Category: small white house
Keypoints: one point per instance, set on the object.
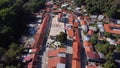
(100, 17)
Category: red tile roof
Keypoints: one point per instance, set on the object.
(34, 59)
(83, 22)
(90, 32)
(88, 49)
(52, 62)
(86, 17)
(109, 26)
(76, 64)
(87, 44)
(77, 37)
(39, 36)
(54, 53)
(92, 55)
(76, 24)
(76, 51)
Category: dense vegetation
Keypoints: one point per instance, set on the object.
(14, 15)
(108, 7)
(62, 37)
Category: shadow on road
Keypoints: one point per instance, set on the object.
(68, 60)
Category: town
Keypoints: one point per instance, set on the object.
(65, 39)
(65, 36)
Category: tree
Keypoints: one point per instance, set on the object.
(106, 34)
(102, 6)
(79, 2)
(12, 54)
(62, 37)
(14, 17)
(94, 39)
(118, 48)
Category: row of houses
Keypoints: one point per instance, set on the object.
(92, 55)
(73, 32)
(112, 28)
(32, 58)
(57, 58)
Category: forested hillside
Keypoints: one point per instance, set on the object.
(108, 7)
(14, 15)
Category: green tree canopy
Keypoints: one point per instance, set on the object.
(62, 37)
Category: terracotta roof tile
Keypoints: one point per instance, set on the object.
(76, 24)
(83, 22)
(90, 32)
(92, 55)
(76, 64)
(76, 54)
(52, 62)
(108, 28)
(54, 53)
(87, 44)
(88, 49)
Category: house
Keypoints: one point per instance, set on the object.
(64, 5)
(57, 58)
(87, 44)
(101, 28)
(76, 23)
(118, 21)
(57, 52)
(86, 38)
(112, 28)
(56, 62)
(112, 42)
(93, 28)
(39, 37)
(100, 17)
(90, 33)
(76, 54)
(76, 58)
(92, 56)
(93, 16)
(76, 64)
(84, 25)
(32, 59)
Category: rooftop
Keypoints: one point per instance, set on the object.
(52, 62)
(112, 28)
(87, 44)
(55, 53)
(76, 64)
